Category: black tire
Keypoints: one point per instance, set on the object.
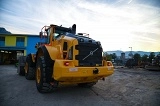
(87, 85)
(29, 68)
(21, 64)
(30, 61)
(21, 70)
(43, 85)
(30, 72)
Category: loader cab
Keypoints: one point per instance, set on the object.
(51, 33)
(44, 36)
(48, 35)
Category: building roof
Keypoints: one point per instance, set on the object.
(4, 31)
(18, 35)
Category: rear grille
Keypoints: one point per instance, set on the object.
(90, 54)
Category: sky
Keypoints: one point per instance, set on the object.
(117, 24)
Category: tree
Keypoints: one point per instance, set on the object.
(151, 56)
(107, 56)
(145, 58)
(137, 58)
(114, 56)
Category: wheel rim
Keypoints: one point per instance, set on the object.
(26, 68)
(38, 75)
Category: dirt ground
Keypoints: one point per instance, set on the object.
(134, 87)
(126, 87)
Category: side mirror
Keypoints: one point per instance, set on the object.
(40, 34)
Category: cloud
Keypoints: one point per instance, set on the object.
(116, 23)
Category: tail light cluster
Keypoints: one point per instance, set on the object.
(109, 63)
(66, 63)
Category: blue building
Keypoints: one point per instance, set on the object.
(14, 45)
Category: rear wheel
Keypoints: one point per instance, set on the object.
(20, 65)
(43, 86)
(29, 72)
(87, 85)
(21, 70)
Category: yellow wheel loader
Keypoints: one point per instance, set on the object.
(66, 58)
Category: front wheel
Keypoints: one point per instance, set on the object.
(43, 86)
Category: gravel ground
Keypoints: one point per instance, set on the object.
(133, 87)
(126, 87)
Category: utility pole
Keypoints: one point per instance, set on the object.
(131, 48)
(131, 52)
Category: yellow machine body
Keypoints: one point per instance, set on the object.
(68, 58)
(73, 73)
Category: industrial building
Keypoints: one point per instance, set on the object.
(14, 45)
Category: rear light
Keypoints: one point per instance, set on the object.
(109, 64)
(66, 63)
